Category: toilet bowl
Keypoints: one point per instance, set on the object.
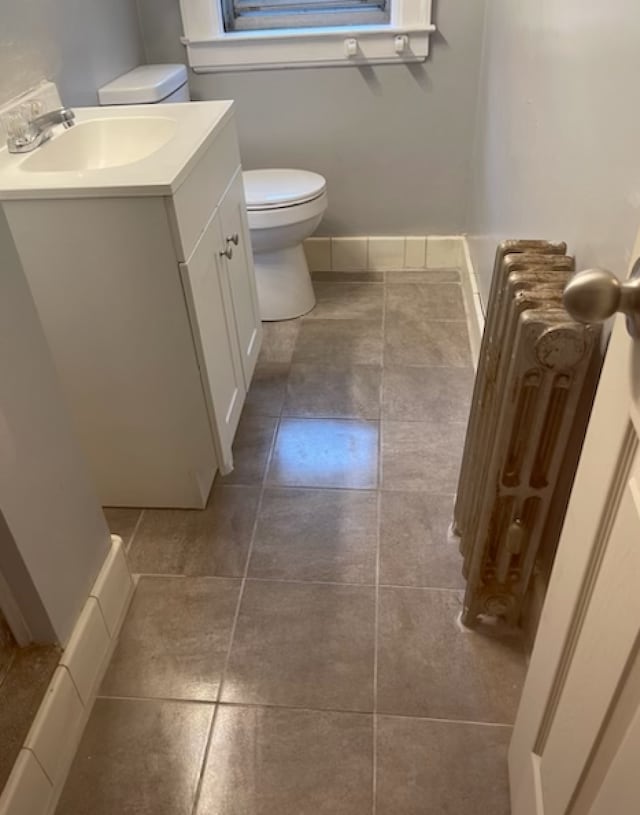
(284, 207)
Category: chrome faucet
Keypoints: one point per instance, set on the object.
(39, 130)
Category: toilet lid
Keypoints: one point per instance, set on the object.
(270, 189)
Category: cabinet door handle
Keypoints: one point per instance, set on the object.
(234, 239)
(228, 252)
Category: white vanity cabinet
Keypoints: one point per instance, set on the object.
(149, 305)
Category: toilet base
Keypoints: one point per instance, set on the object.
(284, 284)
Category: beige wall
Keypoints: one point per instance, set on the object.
(557, 152)
(79, 44)
(394, 142)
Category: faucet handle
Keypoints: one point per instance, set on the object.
(16, 125)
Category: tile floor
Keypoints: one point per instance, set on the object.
(294, 648)
(25, 674)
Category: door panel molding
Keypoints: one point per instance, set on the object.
(620, 714)
(619, 484)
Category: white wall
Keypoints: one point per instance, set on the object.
(394, 142)
(557, 152)
(53, 536)
(79, 44)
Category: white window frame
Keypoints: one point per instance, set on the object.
(210, 48)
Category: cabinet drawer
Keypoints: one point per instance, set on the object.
(191, 207)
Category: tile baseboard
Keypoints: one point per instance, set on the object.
(384, 253)
(472, 302)
(413, 252)
(42, 766)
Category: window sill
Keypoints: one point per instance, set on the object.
(308, 47)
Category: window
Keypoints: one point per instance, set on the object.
(245, 35)
(244, 15)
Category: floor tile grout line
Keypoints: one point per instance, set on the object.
(300, 581)
(275, 486)
(271, 706)
(382, 361)
(422, 588)
(129, 544)
(117, 697)
(376, 624)
(178, 576)
(433, 320)
(374, 774)
(209, 741)
(443, 720)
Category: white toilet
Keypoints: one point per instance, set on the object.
(284, 206)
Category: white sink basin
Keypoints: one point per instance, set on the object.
(115, 151)
(101, 144)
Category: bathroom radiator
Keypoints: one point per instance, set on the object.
(534, 389)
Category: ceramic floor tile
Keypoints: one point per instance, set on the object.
(175, 639)
(414, 547)
(23, 685)
(427, 394)
(422, 456)
(122, 521)
(278, 341)
(333, 391)
(325, 453)
(423, 276)
(251, 449)
(269, 761)
(138, 758)
(425, 301)
(410, 341)
(327, 535)
(429, 666)
(345, 342)
(347, 301)
(294, 730)
(213, 541)
(433, 768)
(268, 389)
(303, 645)
(348, 277)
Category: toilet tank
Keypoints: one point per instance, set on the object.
(147, 85)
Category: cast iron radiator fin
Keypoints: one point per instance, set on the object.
(532, 398)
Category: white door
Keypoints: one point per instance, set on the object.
(208, 294)
(576, 743)
(233, 219)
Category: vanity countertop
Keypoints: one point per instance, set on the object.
(141, 150)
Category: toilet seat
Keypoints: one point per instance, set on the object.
(275, 189)
(287, 215)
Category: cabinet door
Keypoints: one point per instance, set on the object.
(242, 279)
(208, 294)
